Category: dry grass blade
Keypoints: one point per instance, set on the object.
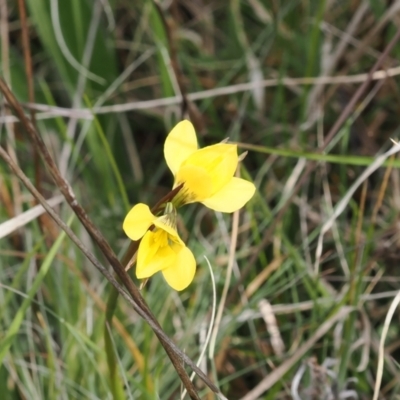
(272, 326)
(221, 306)
(386, 326)
(260, 279)
(21, 220)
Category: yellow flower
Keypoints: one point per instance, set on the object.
(161, 249)
(206, 174)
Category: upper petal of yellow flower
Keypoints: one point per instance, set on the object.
(219, 161)
(138, 221)
(154, 254)
(232, 196)
(181, 272)
(179, 145)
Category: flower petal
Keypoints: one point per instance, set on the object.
(181, 273)
(219, 161)
(154, 254)
(179, 145)
(138, 221)
(197, 183)
(232, 196)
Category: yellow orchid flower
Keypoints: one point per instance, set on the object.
(207, 173)
(206, 176)
(161, 249)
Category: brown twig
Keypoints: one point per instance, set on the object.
(176, 356)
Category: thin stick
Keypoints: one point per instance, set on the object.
(231, 261)
(84, 113)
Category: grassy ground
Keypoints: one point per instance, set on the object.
(314, 271)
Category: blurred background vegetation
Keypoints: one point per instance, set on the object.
(110, 78)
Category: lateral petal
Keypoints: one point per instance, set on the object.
(180, 143)
(232, 196)
(181, 273)
(138, 221)
(219, 161)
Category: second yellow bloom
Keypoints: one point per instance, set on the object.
(161, 249)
